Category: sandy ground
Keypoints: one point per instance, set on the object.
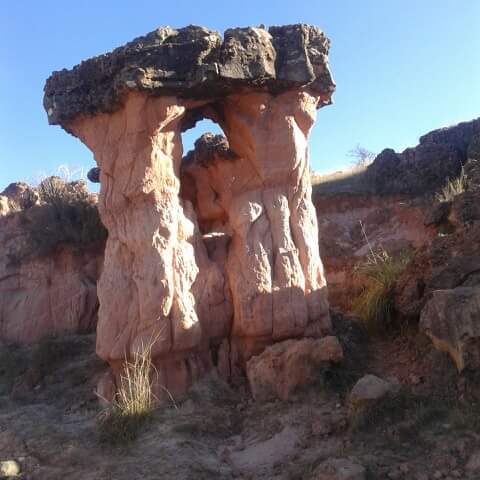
(49, 425)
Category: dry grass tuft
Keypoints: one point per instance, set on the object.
(340, 175)
(134, 402)
(453, 187)
(375, 304)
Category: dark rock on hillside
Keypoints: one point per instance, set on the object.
(424, 169)
(193, 62)
(94, 175)
(207, 148)
(416, 170)
(464, 137)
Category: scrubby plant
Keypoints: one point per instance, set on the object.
(453, 187)
(374, 305)
(134, 402)
(65, 216)
(362, 157)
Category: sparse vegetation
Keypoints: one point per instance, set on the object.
(66, 216)
(453, 187)
(362, 157)
(352, 178)
(374, 305)
(134, 402)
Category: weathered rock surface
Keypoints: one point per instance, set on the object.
(451, 260)
(424, 169)
(451, 318)
(43, 295)
(280, 369)
(19, 196)
(259, 192)
(369, 390)
(415, 170)
(193, 62)
(165, 280)
(394, 223)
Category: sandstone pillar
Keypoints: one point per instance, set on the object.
(146, 289)
(263, 185)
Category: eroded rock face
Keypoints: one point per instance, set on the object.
(205, 295)
(42, 296)
(259, 192)
(451, 320)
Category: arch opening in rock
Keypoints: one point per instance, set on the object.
(163, 278)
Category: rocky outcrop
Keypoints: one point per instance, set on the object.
(394, 199)
(193, 62)
(394, 223)
(200, 294)
(451, 318)
(451, 260)
(42, 296)
(424, 169)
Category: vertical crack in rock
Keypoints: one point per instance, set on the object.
(218, 252)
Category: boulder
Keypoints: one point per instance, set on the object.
(94, 175)
(339, 469)
(160, 283)
(287, 365)
(451, 319)
(368, 391)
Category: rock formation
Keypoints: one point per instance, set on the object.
(451, 319)
(42, 295)
(230, 264)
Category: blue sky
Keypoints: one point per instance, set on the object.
(402, 67)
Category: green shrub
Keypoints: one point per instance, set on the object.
(453, 187)
(374, 305)
(66, 216)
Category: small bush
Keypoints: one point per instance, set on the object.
(362, 157)
(375, 303)
(453, 187)
(66, 216)
(134, 401)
